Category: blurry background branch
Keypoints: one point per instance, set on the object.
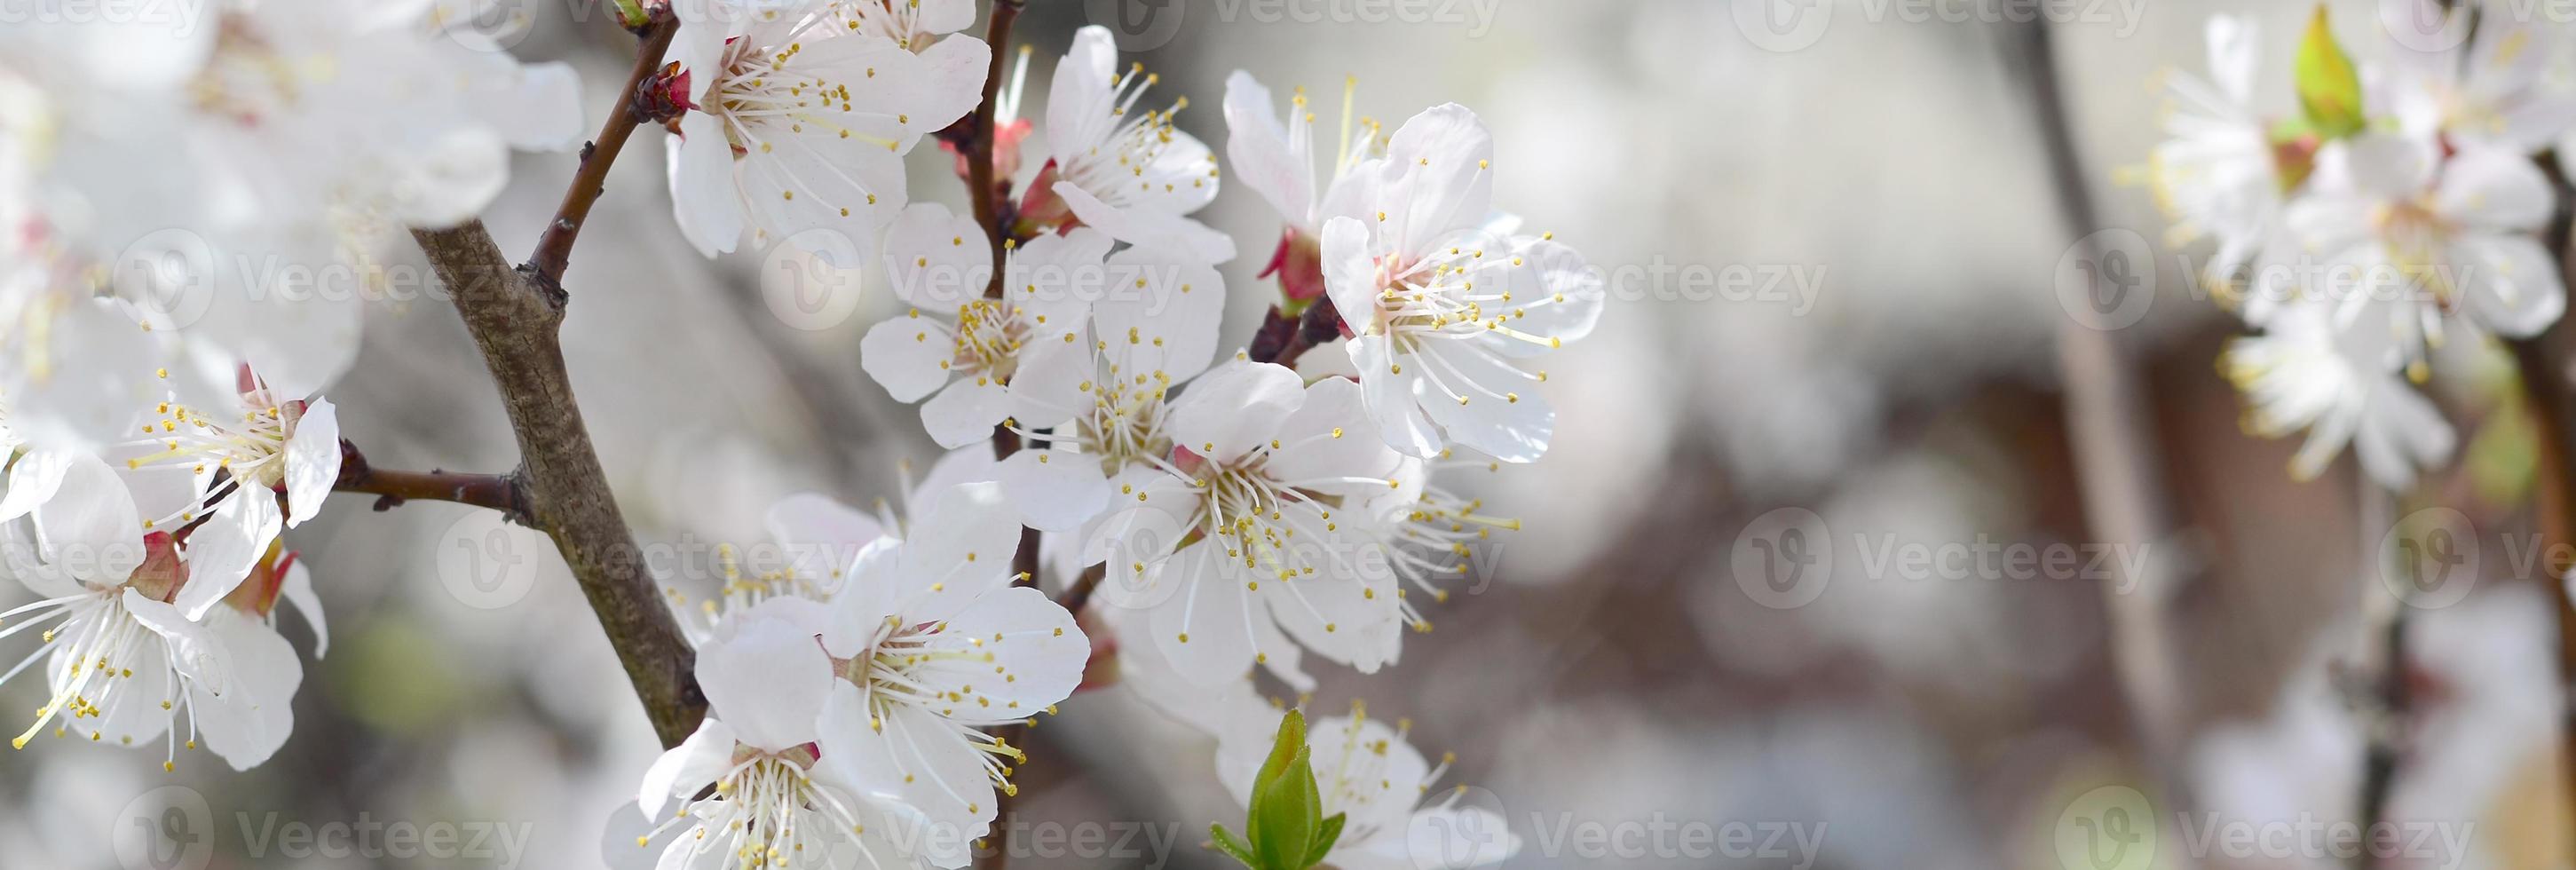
(2109, 422)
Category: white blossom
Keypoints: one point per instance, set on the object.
(1440, 296)
(123, 661)
(1128, 173)
(798, 116)
(1271, 515)
(930, 643)
(2394, 227)
(2217, 174)
(775, 802)
(2305, 373)
(981, 361)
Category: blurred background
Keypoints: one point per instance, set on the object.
(1835, 345)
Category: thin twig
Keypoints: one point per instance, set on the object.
(979, 149)
(2108, 420)
(2378, 660)
(500, 492)
(554, 246)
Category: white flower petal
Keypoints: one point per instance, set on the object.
(686, 769)
(223, 551)
(312, 461)
(965, 411)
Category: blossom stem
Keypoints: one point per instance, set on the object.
(500, 492)
(554, 247)
(979, 164)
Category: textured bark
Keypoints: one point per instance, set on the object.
(514, 316)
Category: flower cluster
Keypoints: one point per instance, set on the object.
(2399, 207)
(1236, 512)
(195, 211)
(180, 196)
(849, 687)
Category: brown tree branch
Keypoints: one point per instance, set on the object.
(514, 316)
(554, 246)
(500, 492)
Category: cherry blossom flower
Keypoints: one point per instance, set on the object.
(205, 167)
(2304, 373)
(236, 465)
(1439, 296)
(1274, 508)
(1278, 160)
(2505, 93)
(1365, 770)
(122, 660)
(1156, 330)
(956, 63)
(2460, 234)
(798, 116)
(990, 359)
(813, 543)
(2218, 174)
(934, 642)
(1132, 175)
(775, 801)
